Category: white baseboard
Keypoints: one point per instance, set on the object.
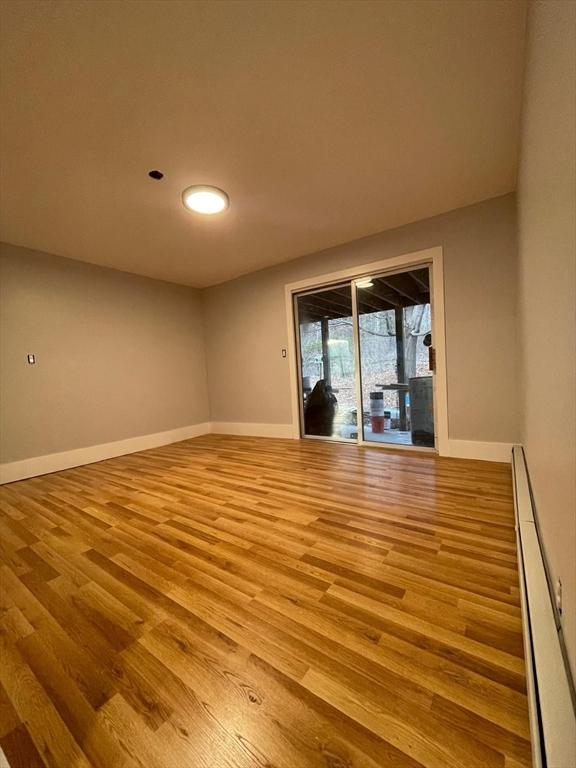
(54, 462)
(552, 718)
(460, 449)
(252, 430)
(472, 449)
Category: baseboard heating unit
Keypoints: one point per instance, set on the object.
(550, 688)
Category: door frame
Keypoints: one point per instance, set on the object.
(430, 256)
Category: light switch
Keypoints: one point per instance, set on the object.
(283, 353)
(31, 359)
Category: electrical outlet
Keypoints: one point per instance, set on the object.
(558, 596)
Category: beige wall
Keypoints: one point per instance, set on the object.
(547, 272)
(245, 322)
(121, 356)
(118, 355)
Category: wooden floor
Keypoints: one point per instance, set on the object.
(248, 602)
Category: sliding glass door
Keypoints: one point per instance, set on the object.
(366, 360)
(395, 353)
(325, 336)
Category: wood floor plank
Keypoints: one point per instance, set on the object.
(54, 742)
(230, 602)
(17, 750)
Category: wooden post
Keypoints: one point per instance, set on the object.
(325, 351)
(400, 366)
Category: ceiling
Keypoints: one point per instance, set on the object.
(324, 122)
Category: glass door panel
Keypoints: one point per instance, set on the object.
(394, 343)
(325, 335)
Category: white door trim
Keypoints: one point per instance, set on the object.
(431, 256)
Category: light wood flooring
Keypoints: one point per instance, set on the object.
(240, 602)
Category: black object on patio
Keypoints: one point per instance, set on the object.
(320, 410)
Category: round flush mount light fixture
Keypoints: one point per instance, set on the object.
(205, 199)
(364, 283)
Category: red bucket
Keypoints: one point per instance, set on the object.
(377, 411)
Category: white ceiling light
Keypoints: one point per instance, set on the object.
(204, 199)
(365, 283)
